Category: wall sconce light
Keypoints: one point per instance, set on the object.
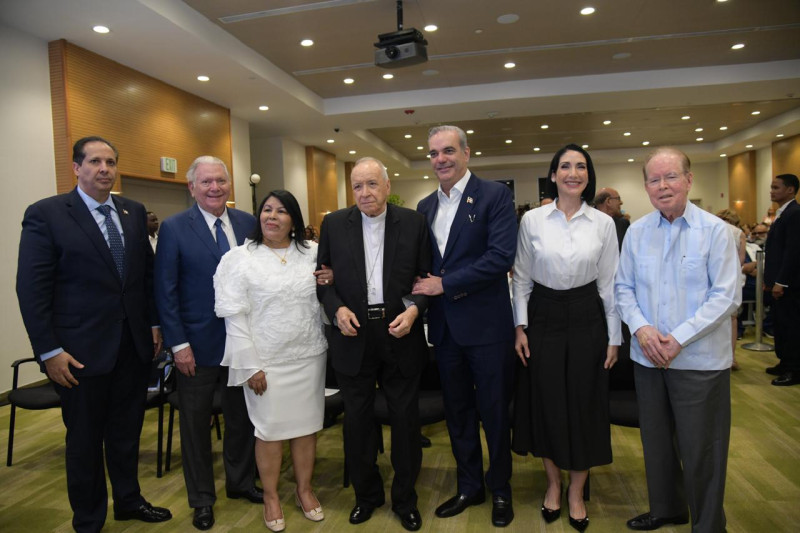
(254, 180)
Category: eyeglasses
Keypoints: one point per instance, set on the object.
(669, 179)
(614, 198)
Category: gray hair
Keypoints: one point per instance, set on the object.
(206, 160)
(384, 173)
(462, 137)
(686, 165)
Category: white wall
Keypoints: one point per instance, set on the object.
(295, 174)
(28, 161)
(240, 148)
(763, 180)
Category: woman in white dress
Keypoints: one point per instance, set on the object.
(275, 346)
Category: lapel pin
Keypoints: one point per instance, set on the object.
(124, 211)
(470, 200)
(471, 218)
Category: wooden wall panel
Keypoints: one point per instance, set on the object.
(348, 187)
(145, 118)
(742, 186)
(786, 156)
(321, 178)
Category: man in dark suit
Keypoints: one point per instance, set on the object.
(84, 283)
(190, 245)
(376, 251)
(474, 239)
(782, 278)
(609, 202)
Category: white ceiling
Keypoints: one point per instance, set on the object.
(567, 76)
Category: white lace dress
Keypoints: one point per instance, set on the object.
(274, 323)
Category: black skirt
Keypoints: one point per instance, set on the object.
(561, 397)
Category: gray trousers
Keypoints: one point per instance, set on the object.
(238, 444)
(685, 419)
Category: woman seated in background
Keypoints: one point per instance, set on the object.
(275, 345)
(568, 333)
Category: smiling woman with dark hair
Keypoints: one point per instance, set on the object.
(275, 346)
(568, 333)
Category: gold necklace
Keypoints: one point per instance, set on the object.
(283, 259)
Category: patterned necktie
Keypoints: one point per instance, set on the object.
(114, 240)
(222, 239)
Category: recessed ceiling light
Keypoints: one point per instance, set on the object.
(606, 122)
(388, 76)
(645, 143)
(306, 42)
(723, 155)
(330, 141)
(630, 160)
(779, 135)
(584, 146)
(748, 145)
(698, 130)
(407, 135)
(621, 55)
(511, 18)
(755, 113)
(396, 174)
(627, 134)
(203, 78)
(587, 11)
(352, 152)
(263, 107)
(699, 139)
(510, 64)
(431, 27)
(348, 81)
(420, 148)
(101, 29)
(536, 148)
(685, 117)
(425, 177)
(509, 141)
(544, 126)
(723, 128)
(470, 132)
(478, 153)
(737, 46)
(721, 1)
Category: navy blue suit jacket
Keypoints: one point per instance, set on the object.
(476, 304)
(70, 294)
(186, 260)
(782, 249)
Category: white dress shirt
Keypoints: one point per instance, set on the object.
(565, 254)
(446, 213)
(374, 229)
(211, 220)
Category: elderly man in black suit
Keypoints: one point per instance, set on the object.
(376, 251)
(84, 284)
(782, 278)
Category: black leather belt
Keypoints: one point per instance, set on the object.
(376, 312)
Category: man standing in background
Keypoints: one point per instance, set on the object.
(152, 229)
(609, 202)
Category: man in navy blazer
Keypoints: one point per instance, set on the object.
(474, 239)
(782, 278)
(90, 317)
(190, 245)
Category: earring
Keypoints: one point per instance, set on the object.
(553, 180)
(292, 234)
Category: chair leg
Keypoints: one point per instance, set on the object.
(216, 425)
(379, 430)
(169, 438)
(586, 490)
(11, 434)
(160, 445)
(345, 477)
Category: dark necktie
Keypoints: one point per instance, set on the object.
(222, 239)
(114, 240)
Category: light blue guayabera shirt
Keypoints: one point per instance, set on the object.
(683, 279)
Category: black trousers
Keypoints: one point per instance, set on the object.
(786, 316)
(238, 444)
(104, 413)
(360, 437)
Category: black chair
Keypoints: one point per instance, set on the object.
(37, 397)
(623, 408)
(173, 400)
(157, 395)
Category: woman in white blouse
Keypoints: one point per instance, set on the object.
(275, 346)
(567, 333)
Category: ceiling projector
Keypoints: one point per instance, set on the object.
(401, 48)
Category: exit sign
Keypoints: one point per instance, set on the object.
(169, 164)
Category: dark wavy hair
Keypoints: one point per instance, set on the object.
(293, 208)
(587, 195)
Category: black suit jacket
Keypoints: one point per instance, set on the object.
(782, 250)
(69, 291)
(406, 255)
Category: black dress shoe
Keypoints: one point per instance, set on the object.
(648, 522)
(424, 441)
(786, 379)
(411, 520)
(203, 517)
(254, 494)
(550, 515)
(458, 503)
(145, 512)
(579, 523)
(502, 511)
(776, 370)
(360, 514)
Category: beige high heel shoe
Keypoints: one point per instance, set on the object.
(279, 524)
(315, 514)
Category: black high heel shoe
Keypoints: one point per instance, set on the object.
(579, 524)
(550, 515)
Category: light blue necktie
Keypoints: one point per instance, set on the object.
(222, 239)
(114, 240)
